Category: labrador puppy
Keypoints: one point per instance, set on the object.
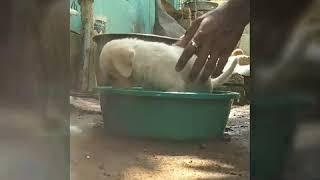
(132, 62)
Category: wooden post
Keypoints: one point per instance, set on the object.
(86, 39)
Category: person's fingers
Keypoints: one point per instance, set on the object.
(199, 62)
(220, 64)
(185, 39)
(199, 38)
(187, 53)
(210, 66)
(181, 42)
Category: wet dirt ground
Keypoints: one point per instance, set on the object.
(96, 155)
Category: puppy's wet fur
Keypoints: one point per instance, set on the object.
(132, 62)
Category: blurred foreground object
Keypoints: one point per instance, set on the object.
(286, 67)
(34, 106)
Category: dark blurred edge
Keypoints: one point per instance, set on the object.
(277, 115)
(34, 99)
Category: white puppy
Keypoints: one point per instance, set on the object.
(132, 62)
(243, 66)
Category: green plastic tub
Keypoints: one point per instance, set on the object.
(165, 115)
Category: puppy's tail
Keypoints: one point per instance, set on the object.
(224, 77)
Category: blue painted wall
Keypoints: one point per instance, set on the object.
(123, 16)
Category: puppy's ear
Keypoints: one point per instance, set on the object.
(123, 63)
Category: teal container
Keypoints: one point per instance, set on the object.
(273, 123)
(165, 115)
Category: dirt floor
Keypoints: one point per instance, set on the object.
(96, 155)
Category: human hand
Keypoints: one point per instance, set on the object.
(212, 37)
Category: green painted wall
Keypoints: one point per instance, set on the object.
(123, 16)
